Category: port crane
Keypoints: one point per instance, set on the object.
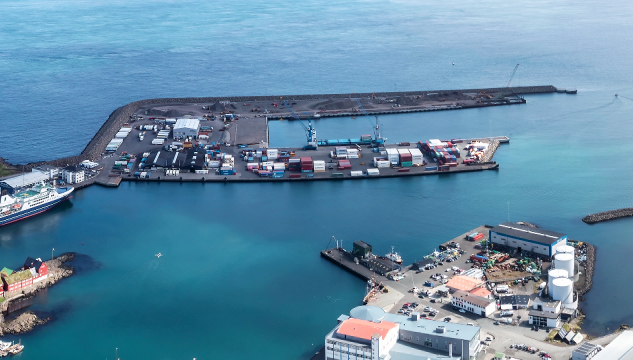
(309, 129)
(378, 140)
(510, 80)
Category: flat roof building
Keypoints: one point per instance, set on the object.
(372, 337)
(621, 348)
(525, 238)
(544, 319)
(22, 181)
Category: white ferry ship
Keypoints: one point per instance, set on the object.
(31, 201)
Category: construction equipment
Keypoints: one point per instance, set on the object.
(510, 81)
(512, 76)
(310, 130)
(377, 140)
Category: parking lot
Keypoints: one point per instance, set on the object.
(503, 337)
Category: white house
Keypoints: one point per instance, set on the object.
(546, 305)
(72, 175)
(51, 171)
(544, 319)
(473, 303)
(186, 127)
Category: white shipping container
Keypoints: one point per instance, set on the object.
(121, 135)
(403, 151)
(316, 163)
(158, 141)
(214, 164)
(202, 171)
(356, 173)
(382, 164)
(279, 166)
(373, 172)
(125, 129)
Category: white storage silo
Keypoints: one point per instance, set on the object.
(555, 274)
(565, 261)
(562, 289)
(565, 249)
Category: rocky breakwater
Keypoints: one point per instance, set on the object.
(25, 322)
(608, 215)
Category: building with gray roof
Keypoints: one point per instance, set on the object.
(417, 339)
(525, 238)
(23, 181)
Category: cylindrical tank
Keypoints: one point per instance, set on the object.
(555, 274)
(565, 249)
(562, 289)
(565, 261)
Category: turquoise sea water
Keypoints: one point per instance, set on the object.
(241, 276)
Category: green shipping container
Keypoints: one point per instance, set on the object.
(406, 163)
(337, 175)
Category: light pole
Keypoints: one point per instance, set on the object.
(116, 354)
(53, 254)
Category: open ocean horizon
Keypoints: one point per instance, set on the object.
(241, 275)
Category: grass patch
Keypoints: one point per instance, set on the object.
(552, 335)
(566, 327)
(5, 171)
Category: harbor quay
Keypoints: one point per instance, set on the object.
(516, 283)
(242, 121)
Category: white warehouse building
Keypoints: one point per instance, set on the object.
(525, 238)
(186, 127)
(72, 175)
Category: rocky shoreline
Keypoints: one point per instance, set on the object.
(57, 270)
(608, 215)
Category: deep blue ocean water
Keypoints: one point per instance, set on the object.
(241, 276)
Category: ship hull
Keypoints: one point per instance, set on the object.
(25, 214)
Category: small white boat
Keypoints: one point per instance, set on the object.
(159, 255)
(4, 345)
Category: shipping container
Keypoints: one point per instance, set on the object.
(373, 172)
(356, 173)
(403, 170)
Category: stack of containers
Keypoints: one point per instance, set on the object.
(225, 170)
(405, 158)
(381, 162)
(114, 145)
(475, 236)
(340, 152)
(213, 164)
(294, 164)
(278, 170)
(267, 166)
(251, 166)
(344, 164)
(163, 134)
(417, 158)
(319, 166)
(393, 156)
(272, 154)
(352, 154)
(306, 164)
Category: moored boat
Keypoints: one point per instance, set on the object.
(19, 204)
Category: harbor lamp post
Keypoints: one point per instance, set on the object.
(53, 254)
(116, 354)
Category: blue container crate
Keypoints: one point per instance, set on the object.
(278, 175)
(431, 168)
(311, 175)
(264, 158)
